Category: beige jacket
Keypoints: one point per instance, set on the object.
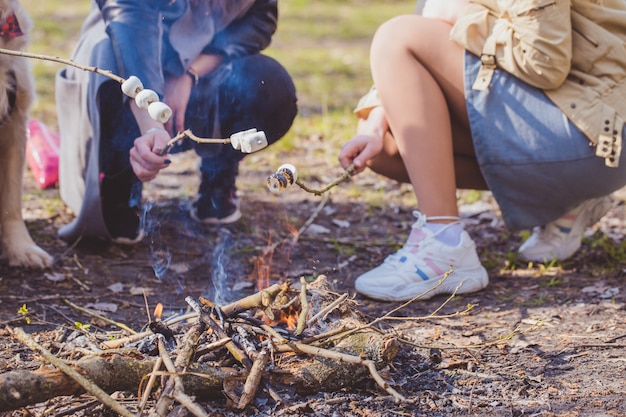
(575, 50)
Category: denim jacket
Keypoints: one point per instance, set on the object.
(151, 38)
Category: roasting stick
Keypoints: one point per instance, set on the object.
(69, 62)
(247, 141)
(287, 175)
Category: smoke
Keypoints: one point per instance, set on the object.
(220, 259)
(160, 256)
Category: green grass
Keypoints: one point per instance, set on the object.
(56, 30)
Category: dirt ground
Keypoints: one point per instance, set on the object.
(541, 340)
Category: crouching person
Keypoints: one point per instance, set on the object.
(203, 59)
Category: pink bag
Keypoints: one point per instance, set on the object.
(42, 153)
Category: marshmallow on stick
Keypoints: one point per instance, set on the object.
(285, 176)
(247, 141)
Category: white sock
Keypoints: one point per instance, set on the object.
(451, 236)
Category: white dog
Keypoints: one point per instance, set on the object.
(16, 96)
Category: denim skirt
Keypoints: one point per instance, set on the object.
(537, 164)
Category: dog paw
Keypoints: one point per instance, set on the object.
(31, 256)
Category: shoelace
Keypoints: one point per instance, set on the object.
(422, 219)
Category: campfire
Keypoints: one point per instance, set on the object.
(275, 343)
(282, 340)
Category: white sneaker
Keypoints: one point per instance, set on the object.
(419, 266)
(553, 242)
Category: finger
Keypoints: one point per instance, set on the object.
(148, 161)
(142, 173)
(180, 121)
(169, 124)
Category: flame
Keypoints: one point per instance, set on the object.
(263, 274)
(286, 317)
(292, 229)
(158, 311)
(263, 267)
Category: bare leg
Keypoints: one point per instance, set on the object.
(468, 174)
(418, 72)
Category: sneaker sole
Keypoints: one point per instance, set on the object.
(128, 241)
(565, 252)
(232, 218)
(458, 282)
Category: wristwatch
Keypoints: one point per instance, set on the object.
(193, 74)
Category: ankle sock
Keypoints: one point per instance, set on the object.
(451, 236)
(566, 221)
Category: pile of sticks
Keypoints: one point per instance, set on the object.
(238, 351)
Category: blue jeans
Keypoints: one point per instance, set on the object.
(254, 91)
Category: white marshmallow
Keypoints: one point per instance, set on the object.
(253, 142)
(132, 86)
(235, 138)
(159, 111)
(146, 97)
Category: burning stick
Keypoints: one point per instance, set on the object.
(247, 141)
(287, 175)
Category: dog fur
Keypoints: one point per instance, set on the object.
(17, 245)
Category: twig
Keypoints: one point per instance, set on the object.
(109, 74)
(174, 387)
(261, 299)
(98, 316)
(310, 220)
(324, 336)
(344, 357)
(212, 346)
(333, 355)
(482, 345)
(304, 308)
(330, 307)
(146, 392)
(600, 345)
(166, 399)
(254, 379)
(237, 353)
(93, 389)
(189, 134)
(69, 62)
(294, 237)
(243, 339)
(347, 173)
(401, 306)
(616, 338)
(114, 344)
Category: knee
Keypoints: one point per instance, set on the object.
(266, 95)
(396, 34)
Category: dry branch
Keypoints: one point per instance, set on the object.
(110, 372)
(316, 360)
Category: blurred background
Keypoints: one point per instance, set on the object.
(324, 44)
